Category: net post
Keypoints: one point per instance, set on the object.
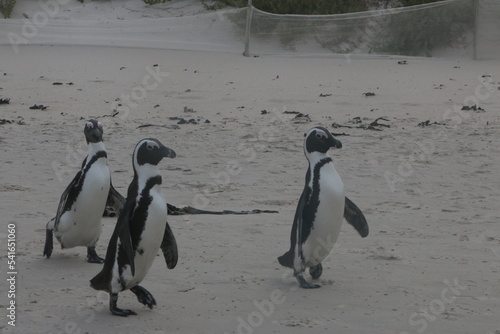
(476, 13)
(246, 53)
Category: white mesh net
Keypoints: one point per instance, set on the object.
(411, 31)
(488, 29)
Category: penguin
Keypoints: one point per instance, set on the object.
(320, 211)
(141, 229)
(81, 206)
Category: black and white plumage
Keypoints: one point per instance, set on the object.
(140, 231)
(320, 211)
(78, 218)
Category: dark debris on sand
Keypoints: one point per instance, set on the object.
(189, 210)
(188, 121)
(428, 123)
(38, 107)
(191, 110)
(375, 125)
(181, 120)
(167, 126)
(301, 118)
(473, 108)
(115, 113)
(8, 121)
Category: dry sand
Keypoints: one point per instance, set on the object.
(436, 219)
(430, 194)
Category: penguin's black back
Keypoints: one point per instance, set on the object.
(286, 259)
(312, 201)
(102, 280)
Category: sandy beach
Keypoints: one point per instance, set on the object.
(427, 183)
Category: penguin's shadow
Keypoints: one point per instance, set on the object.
(71, 262)
(68, 260)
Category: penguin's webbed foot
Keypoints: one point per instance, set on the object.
(92, 256)
(305, 284)
(120, 312)
(316, 271)
(144, 296)
(113, 299)
(47, 250)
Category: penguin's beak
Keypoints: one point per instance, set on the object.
(335, 142)
(167, 152)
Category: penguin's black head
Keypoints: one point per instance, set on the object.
(93, 131)
(319, 139)
(151, 151)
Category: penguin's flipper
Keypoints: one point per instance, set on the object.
(123, 226)
(286, 259)
(47, 250)
(68, 198)
(355, 217)
(114, 203)
(122, 232)
(169, 248)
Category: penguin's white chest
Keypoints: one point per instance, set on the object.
(81, 226)
(329, 216)
(151, 237)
